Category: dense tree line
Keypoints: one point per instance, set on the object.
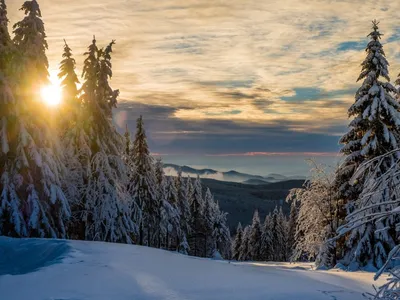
(267, 241)
(77, 177)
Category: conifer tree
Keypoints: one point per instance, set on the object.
(69, 80)
(30, 39)
(278, 235)
(208, 217)
(108, 205)
(221, 233)
(373, 132)
(75, 142)
(5, 39)
(283, 223)
(145, 185)
(184, 213)
(33, 170)
(237, 242)
(255, 238)
(174, 217)
(266, 239)
(164, 214)
(244, 249)
(12, 221)
(196, 210)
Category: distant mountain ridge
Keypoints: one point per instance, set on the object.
(231, 176)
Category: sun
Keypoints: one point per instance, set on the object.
(52, 94)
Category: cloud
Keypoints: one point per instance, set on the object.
(174, 136)
(196, 65)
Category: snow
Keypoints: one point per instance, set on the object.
(38, 269)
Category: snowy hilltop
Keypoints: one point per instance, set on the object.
(59, 269)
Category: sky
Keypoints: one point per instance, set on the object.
(229, 79)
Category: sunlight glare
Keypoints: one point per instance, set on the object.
(52, 93)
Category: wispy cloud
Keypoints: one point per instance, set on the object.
(244, 61)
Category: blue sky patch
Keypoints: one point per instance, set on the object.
(394, 37)
(352, 45)
(310, 94)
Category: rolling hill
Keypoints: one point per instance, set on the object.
(232, 176)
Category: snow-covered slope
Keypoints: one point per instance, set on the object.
(37, 269)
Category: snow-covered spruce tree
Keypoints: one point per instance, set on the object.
(75, 142)
(30, 39)
(237, 242)
(184, 213)
(172, 198)
(209, 215)
(165, 208)
(221, 234)
(69, 80)
(12, 221)
(284, 224)
(244, 248)
(144, 182)
(372, 210)
(278, 241)
(373, 132)
(108, 206)
(255, 238)
(5, 39)
(32, 172)
(196, 236)
(266, 238)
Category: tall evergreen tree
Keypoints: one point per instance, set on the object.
(208, 218)
(282, 221)
(69, 80)
(30, 39)
(278, 235)
(164, 214)
(373, 132)
(145, 185)
(33, 170)
(196, 222)
(11, 216)
(75, 142)
(184, 213)
(221, 233)
(255, 238)
(108, 205)
(237, 242)
(4, 34)
(266, 238)
(244, 249)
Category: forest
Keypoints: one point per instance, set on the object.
(73, 176)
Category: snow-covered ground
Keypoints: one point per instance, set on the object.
(37, 269)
